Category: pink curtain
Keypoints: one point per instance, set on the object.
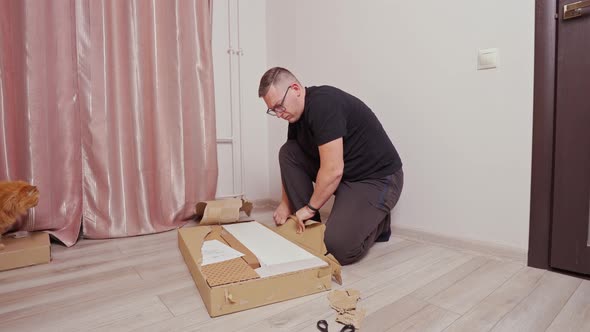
(123, 90)
(39, 111)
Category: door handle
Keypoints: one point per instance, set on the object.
(574, 9)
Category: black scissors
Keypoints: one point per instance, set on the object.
(323, 326)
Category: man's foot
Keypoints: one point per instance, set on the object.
(281, 213)
(384, 236)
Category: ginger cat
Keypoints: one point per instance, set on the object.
(16, 197)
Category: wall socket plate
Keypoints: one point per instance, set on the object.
(487, 58)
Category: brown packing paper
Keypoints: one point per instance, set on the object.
(343, 300)
(222, 211)
(353, 317)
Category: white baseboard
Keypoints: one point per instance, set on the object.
(516, 255)
(264, 203)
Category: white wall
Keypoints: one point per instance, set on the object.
(240, 25)
(464, 135)
(228, 182)
(281, 31)
(252, 26)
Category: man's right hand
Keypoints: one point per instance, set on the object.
(281, 213)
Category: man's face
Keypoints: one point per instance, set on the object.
(283, 103)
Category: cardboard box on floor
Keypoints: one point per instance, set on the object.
(30, 250)
(250, 291)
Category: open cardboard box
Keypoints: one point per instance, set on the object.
(249, 290)
(25, 251)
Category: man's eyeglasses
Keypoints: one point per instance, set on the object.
(278, 109)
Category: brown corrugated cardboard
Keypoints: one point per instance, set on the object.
(31, 250)
(223, 211)
(238, 296)
(228, 272)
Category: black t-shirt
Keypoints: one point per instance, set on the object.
(331, 113)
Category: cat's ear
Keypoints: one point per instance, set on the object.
(28, 198)
(26, 190)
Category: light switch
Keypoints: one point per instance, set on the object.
(487, 58)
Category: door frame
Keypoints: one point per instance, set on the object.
(541, 207)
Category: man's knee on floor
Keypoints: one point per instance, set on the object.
(345, 252)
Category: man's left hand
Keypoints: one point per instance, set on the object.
(303, 214)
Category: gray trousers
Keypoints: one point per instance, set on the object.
(361, 214)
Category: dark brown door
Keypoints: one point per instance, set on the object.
(571, 200)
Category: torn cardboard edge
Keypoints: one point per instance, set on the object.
(238, 296)
(223, 211)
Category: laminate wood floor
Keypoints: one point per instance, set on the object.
(142, 284)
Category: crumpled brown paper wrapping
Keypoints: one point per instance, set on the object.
(344, 302)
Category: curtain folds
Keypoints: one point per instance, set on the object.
(108, 107)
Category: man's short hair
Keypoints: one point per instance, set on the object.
(275, 76)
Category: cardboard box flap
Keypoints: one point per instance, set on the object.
(223, 211)
(312, 240)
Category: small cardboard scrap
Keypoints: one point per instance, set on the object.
(352, 317)
(344, 302)
(223, 211)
